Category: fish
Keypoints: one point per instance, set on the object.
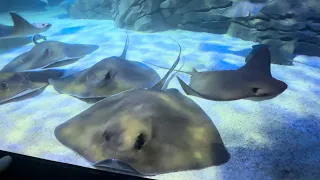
(253, 81)
(14, 85)
(147, 131)
(109, 76)
(22, 28)
(48, 54)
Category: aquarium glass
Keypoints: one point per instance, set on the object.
(165, 89)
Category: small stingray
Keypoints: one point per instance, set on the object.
(147, 131)
(14, 85)
(253, 81)
(47, 54)
(21, 28)
(108, 77)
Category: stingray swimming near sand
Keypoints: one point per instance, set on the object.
(14, 85)
(253, 81)
(21, 28)
(145, 130)
(109, 76)
(47, 54)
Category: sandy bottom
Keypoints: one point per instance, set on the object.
(277, 139)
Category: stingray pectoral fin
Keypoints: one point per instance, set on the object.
(5, 163)
(188, 90)
(116, 164)
(194, 70)
(220, 154)
(38, 85)
(79, 50)
(44, 75)
(19, 23)
(33, 88)
(258, 61)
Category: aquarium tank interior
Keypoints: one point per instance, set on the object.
(164, 89)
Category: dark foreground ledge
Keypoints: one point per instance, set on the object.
(26, 167)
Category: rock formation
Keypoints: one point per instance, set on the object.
(288, 26)
(91, 9)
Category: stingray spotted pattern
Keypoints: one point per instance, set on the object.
(151, 130)
(48, 53)
(109, 76)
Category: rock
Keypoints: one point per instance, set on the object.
(284, 24)
(288, 9)
(93, 9)
(140, 15)
(313, 25)
(54, 2)
(259, 24)
(242, 32)
(308, 49)
(216, 27)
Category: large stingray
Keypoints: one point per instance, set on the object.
(21, 27)
(108, 77)
(47, 54)
(253, 81)
(5, 162)
(147, 130)
(14, 85)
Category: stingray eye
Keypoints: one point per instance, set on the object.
(106, 136)
(4, 85)
(47, 51)
(107, 76)
(140, 141)
(255, 90)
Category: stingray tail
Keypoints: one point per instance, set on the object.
(19, 23)
(44, 75)
(124, 52)
(161, 83)
(188, 90)
(35, 38)
(186, 72)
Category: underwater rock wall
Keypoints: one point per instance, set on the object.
(91, 9)
(290, 26)
(18, 5)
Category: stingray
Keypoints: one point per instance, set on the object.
(5, 162)
(15, 85)
(48, 54)
(107, 77)
(145, 130)
(253, 81)
(21, 28)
